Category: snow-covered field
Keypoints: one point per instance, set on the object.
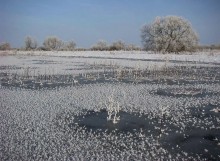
(60, 61)
(54, 106)
(203, 56)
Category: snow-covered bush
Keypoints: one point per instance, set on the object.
(101, 45)
(30, 43)
(5, 46)
(52, 43)
(69, 46)
(113, 109)
(118, 45)
(132, 47)
(169, 34)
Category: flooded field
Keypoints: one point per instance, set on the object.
(111, 107)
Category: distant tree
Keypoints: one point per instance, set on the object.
(118, 45)
(132, 47)
(30, 43)
(81, 49)
(52, 43)
(69, 46)
(169, 34)
(214, 47)
(209, 47)
(101, 45)
(5, 46)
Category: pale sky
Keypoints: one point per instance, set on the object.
(88, 21)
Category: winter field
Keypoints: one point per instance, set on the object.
(102, 105)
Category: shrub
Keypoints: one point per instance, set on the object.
(30, 43)
(5, 46)
(52, 43)
(119, 45)
(69, 46)
(132, 47)
(101, 45)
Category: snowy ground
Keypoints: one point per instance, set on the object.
(168, 103)
(205, 56)
(70, 61)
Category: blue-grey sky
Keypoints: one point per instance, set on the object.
(87, 21)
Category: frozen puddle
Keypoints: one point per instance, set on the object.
(97, 121)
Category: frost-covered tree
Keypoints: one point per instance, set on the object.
(5, 46)
(101, 45)
(30, 43)
(69, 46)
(52, 43)
(118, 45)
(169, 34)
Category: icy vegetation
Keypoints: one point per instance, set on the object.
(108, 110)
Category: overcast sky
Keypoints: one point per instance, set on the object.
(87, 21)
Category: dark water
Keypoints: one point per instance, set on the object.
(128, 122)
(199, 139)
(169, 76)
(194, 141)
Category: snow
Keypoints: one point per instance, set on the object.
(206, 56)
(68, 62)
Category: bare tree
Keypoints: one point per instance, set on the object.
(118, 45)
(169, 34)
(5, 46)
(101, 45)
(30, 43)
(52, 43)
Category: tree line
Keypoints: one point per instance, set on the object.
(164, 34)
(53, 43)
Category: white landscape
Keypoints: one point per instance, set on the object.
(110, 80)
(57, 105)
